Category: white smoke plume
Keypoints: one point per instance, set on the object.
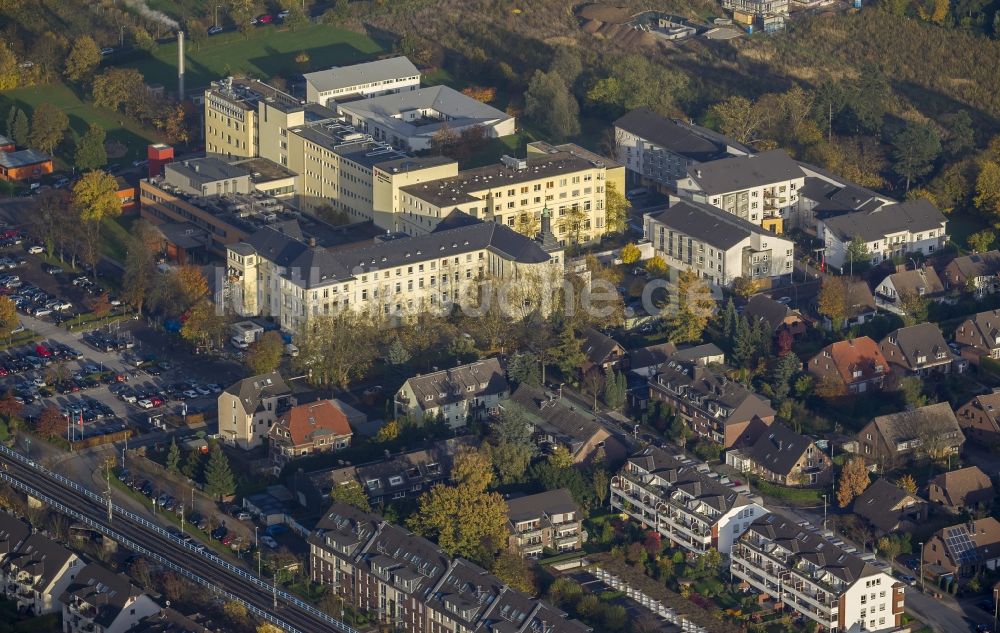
(152, 14)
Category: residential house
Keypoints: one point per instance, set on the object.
(860, 301)
(644, 359)
(13, 532)
(657, 152)
(963, 489)
(716, 407)
(816, 577)
(466, 392)
(890, 509)
(980, 419)
(409, 120)
(757, 8)
(761, 188)
(365, 80)
(37, 573)
(170, 620)
(101, 601)
(778, 316)
(900, 285)
(888, 232)
(547, 520)
(979, 336)
(405, 475)
(719, 246)
(683, 500)
(964, 549)
(978, 272)
(6, 145)
(603, 352)
(560, 423)
(855, 365)
(896, 439)
(782, 456)
(249, 408)
(407, 582)
(826, 194)
(316, 427)
(920, 350)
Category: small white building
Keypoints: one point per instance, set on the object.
(370, 79)
(717, 245)
(890, 231)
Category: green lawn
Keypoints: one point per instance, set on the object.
(268, 51)
(115, 235)
(962, 225)
(81, 114)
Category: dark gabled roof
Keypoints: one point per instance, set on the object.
(778, 449)
(878, 502)
(905, 426)
(13, 531)
(251, 391)
(859, 297)
(923, 282)
(406, 557)
(806, 544)
(40, 556)
(557, 501)
(345, 529)
(977, 264)
(707, 224)
(912, 215)
(598, 346)
(465, 382)
(656, 355)
(701, 386)
(744, 172)
(691, 141)
(554, 416)
(965, 486)
(672, 472)
(109, 593)
(922, 339)
(973, 542)
(169, 620)
(762, 307)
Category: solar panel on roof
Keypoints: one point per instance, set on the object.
(961, 546)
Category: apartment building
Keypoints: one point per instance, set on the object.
(101, 601)
(248, 408)
(888, 232)
(37, 572)
(369, 79)
(457, 395)
(390, 176)
(757, 8)
(407, 582)
(657, 151)
(683, 500)
(826, 194)
(288, 278)
(719, 246)
(762, 189)
(547, 520)
(315, 427)
(816, 577)
(716, 407)
(568, 181)
(409, 120)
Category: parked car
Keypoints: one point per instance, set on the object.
(270, 542)
(107, 50)
(215, 30)
(145, 403)
(36, 250)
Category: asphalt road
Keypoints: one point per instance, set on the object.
(205, 568)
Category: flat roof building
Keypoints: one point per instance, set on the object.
(368, 79)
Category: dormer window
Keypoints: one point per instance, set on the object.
(395, 480)
(373, 484)
(921, 359)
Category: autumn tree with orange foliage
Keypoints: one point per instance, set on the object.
(483, 94)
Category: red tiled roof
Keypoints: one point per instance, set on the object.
(856, 354)
(304, 420)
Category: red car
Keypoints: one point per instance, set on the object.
(265, 19)
(228, 538)
(43, 351)
(157, 401)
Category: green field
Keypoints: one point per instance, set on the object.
(268, 51)
(81, 114)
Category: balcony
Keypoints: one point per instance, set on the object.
(568, 539)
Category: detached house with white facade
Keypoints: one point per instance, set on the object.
(456, 394)
(683, 500)
(762, 189)
(914, 226)
(718, 246)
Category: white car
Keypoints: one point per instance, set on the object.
(203, 390)
(784, 300)
(36, 250)
(129, 398)
(239, 343)
(107, 51)
(270, 542)
(191, 394)
(145, 404)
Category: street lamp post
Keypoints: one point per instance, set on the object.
(824, 513)
(255, 546)
(920, 547)
(217, 7)
(996, 598)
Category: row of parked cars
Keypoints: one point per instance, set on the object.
(150, 396)
(109, 341)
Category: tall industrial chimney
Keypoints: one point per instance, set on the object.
(180, 65)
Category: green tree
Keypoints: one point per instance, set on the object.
(981, 241)
(8, 317)
(914, 150)
(857, 250)
(83, 59)
(616, 210)
(90, 152)
(48, 126)
(560, 457)
(219, 479)
(143, 40)
(686, 320)
(515, 572)
(783, 373)
(729, 316)
(95, 195)
(601, 486)
(525, 369)
(911, 388)
(119, 89)
(987, 197)
(511, 461)
(630, 253)
(264, 354)
(569, 356)
(960, 136)
(9, 75)
(511, 426)
(397, 354)
(193, 463)
(204, 326)
(914, 307)
(297, 17)
(740, 118)
(174, 457)
(635, 81)
(551, 106)
(352, 494)
(615, 388)
(20, 131)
